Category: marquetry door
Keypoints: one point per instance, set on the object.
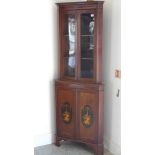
(66, 112)
(88, 115)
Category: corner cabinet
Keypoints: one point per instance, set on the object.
(79, 90)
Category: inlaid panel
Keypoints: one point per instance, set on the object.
(66, 112)
(88, 115)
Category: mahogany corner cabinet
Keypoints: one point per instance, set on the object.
(79, 89)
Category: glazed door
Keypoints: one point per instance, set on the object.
(68, 44)
(66, 112)
(88, 115)
(87, 49)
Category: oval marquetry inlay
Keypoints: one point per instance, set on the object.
(87, 117)
(66, 112)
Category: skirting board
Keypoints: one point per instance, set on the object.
(43, 139)
(112, 147)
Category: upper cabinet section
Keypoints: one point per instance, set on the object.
(80, 41)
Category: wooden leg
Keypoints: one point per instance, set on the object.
(57, 143)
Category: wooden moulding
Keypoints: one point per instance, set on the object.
(80, 85)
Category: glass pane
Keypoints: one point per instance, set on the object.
(86, 68)
(87, 24)
(87, 45)
(69, 44)
(69, 66)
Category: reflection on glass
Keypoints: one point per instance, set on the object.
(87, 24)
(91, 43)
(71, 30)
(69, 69)
(69, 46)
(87, 45)
(91, 27)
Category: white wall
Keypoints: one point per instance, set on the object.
(47, 67)
(111, 61)
(28, 67)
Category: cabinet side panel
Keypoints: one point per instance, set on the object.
(100, 119)
(99, 42)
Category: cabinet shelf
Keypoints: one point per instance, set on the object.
(87, 58)
(82, 35)
(87, 35)
(81, 58)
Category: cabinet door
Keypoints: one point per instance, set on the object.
(68, 47)
(88, 115)
(87, 45)
(66, 112)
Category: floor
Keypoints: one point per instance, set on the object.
(66, 148)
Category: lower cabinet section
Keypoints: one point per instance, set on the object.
(79, 114)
